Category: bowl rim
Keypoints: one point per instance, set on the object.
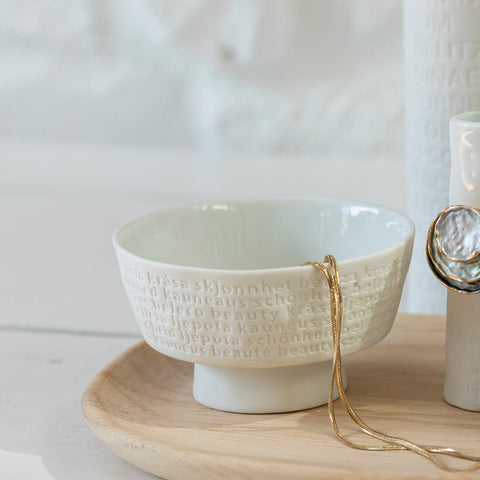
(261, 271)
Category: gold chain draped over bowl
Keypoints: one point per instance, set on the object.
(331, 273)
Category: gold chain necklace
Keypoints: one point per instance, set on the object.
(392, 443)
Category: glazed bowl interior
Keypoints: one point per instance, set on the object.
(248, 235)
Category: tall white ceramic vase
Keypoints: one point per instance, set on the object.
(462, 379)
(442, 79)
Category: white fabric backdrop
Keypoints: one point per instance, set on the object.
(297, 76)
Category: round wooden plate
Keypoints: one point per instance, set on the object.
(142, 408)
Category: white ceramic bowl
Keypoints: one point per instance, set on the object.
(220, 285)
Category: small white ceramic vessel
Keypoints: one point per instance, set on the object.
(220, 285)
(462, 378)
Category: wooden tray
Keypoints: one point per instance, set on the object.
(141, 407)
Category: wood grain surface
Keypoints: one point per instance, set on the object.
(142, 408)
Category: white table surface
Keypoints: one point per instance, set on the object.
(43, 434)
(63, 312)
